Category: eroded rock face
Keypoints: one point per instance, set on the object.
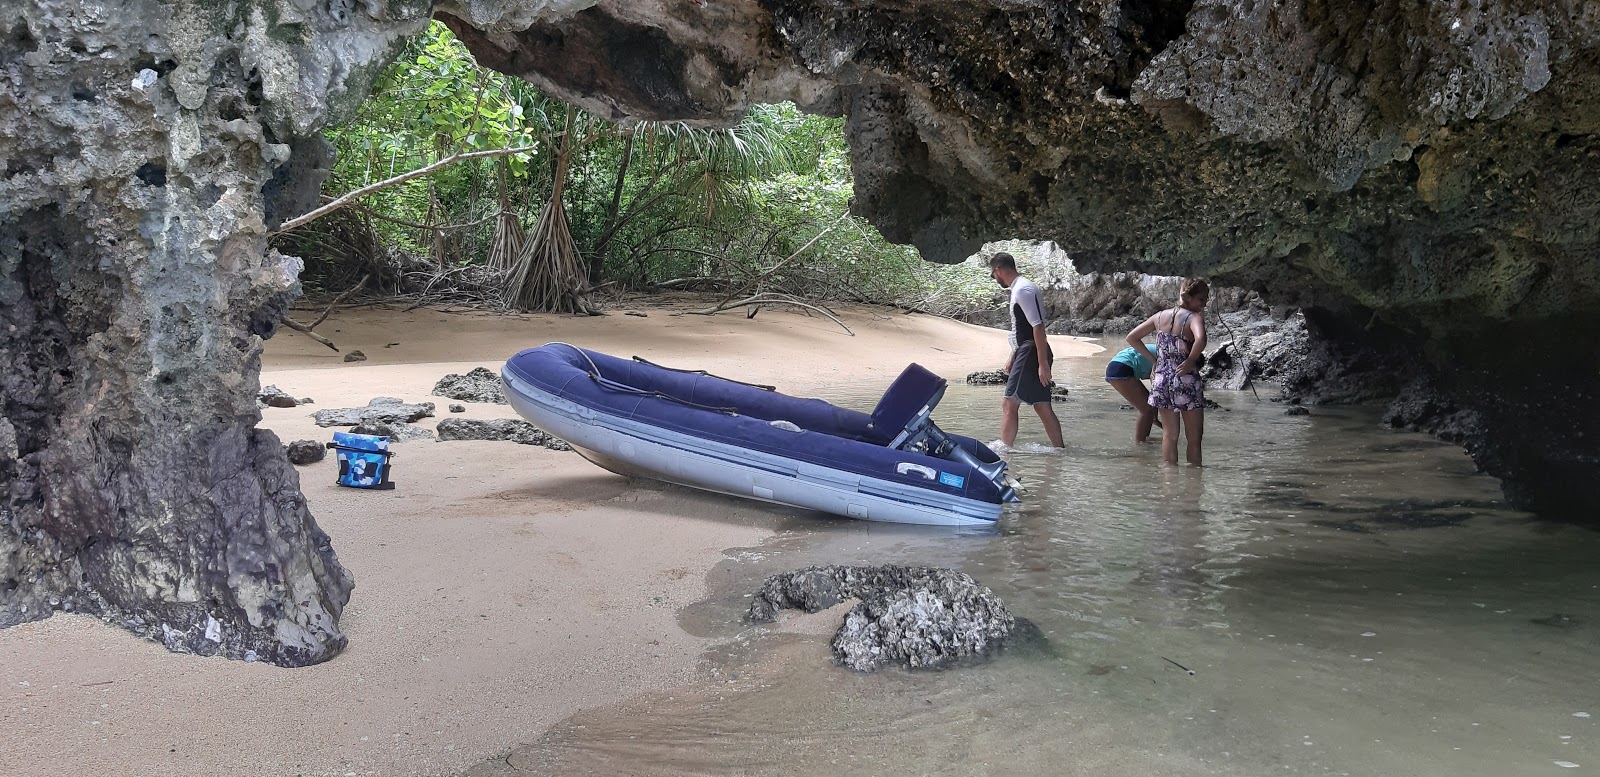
(144, 145)
(1420, 174)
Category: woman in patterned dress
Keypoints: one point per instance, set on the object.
(1176, 388)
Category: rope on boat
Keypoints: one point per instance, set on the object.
(623, 388)
(762, 386)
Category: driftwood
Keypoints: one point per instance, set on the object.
(305, 329)
(755, 303)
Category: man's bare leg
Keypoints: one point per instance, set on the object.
(1052, 425)
(1008, 420)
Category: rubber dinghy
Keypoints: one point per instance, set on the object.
(695, 429)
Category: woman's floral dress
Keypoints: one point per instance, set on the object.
(1168, 389)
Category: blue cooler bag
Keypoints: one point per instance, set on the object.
(363, 460)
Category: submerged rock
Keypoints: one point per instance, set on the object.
(508, 429)
(919, 617)
(303, 452)
(379, 410)
(478, 385)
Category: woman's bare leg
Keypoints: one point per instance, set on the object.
(1194, 428)
(1139, 397)
(1169, 436)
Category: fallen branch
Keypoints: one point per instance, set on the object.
(306, 330)
(396, 180)
(336, 301)
(771, 299)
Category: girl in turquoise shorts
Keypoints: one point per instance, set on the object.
(1126, 372)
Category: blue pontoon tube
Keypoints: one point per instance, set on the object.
(688, 427)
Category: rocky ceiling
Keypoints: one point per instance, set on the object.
(1422, 173)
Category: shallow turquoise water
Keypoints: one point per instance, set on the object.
(1350, 600)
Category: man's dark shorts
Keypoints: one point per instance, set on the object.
(1023, 383)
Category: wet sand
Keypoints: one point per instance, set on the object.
(499, 589)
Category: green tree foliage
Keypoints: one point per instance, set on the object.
(760, 207)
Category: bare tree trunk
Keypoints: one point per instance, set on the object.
(597, 259)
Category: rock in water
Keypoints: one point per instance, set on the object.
(355, 356)
(381, 410)
(920, 617)
(304, 452)
(1296, 410)
(478, 385)
(989, 378)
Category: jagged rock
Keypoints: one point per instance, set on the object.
(302, 452)
(386, 410)
(396, 431)
(508, 429)
(1058, 392)
(479, 385)
(454, 408)
(1421, 407)
(988, 378)
(272, 396)
(921, 617)
(355, 356)
(149, 149)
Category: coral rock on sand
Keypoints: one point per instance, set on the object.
(498, 429)
(272, 396)
(479, 385)
(304, 452)
(379, 410)
(921, 617)
(396, 431)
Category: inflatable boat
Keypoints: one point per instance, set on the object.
(689, 427)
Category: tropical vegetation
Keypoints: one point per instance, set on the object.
(457, 184)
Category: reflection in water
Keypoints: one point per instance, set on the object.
(1350, 600)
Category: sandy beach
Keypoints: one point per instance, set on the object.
(499, 589)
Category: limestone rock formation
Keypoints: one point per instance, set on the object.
(919, 617)
(143, 151)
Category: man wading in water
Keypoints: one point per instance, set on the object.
(1028, 369)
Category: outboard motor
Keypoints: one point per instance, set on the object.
(905, 414)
